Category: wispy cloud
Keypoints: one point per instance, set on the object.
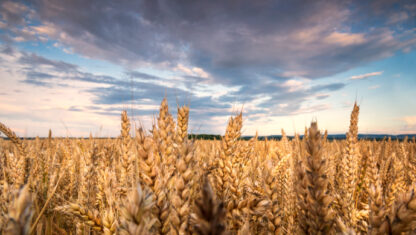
(410, 120)
(366, 75)
(374, 87)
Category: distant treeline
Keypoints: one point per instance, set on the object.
(330, 137)
(204, 137)
(271, 137)
(343, 137)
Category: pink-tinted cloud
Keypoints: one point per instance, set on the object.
(366, 75)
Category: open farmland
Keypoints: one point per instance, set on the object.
(161, 182)
(207, 117)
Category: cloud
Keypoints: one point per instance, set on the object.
(294, 94)
(366, 75)
(218, 54)
(12, 12)
(328, 87)
(108, 94)
(104, 90)
(374, 87)
(410, 120)
(345, 39)
(33, 59)
(219, 40)
(322, 96)
(136, 74)
(194, 71)
(398, 17)
(293, 85)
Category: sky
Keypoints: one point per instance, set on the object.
(73, 66)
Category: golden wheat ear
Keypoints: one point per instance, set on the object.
(317, 216)
(12, 136)
(182, 124)
(378, 223)
(245, 230)
(23, 167)
(136, 215)
(86, 216)
(18, 220)
(403, 213)
(126, 158)
(209, 215)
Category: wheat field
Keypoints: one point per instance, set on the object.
(162, 182)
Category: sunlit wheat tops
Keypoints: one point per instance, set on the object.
(159, 181)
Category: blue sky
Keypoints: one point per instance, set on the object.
(72, 66)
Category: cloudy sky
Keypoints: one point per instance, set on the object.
(72, 66)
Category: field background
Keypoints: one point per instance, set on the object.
(162, 182)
